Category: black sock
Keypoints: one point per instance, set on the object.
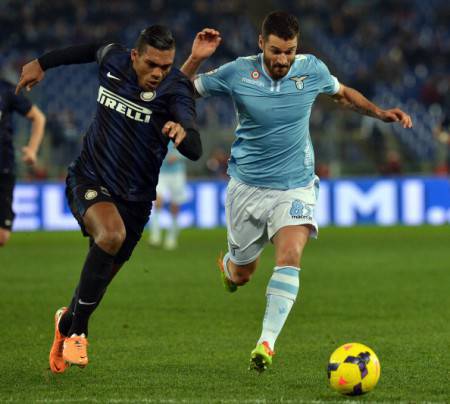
(66, 319)
(95, 276)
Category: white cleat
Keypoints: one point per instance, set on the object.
(170, 244)
(155, 240)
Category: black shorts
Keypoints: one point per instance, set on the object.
(7, 182)
(82, 193)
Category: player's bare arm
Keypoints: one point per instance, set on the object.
(37, 118)
(205, 44)
(187, 141)
(352, 99)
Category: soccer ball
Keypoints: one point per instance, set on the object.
(353, 369)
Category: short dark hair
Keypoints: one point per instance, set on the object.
(157, 36)
(281, 24)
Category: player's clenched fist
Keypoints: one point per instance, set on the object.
(175, 132)
(32, 74)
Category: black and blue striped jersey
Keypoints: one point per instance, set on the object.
(124, 147)
(9, 103)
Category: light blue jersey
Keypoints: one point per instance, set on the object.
(169, 166)
(273, 147)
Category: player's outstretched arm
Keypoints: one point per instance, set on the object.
(352, 99)
(33, 72)
(204, 45)
(37, 118)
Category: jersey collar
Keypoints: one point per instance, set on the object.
(263, 68)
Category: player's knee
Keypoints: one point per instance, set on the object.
(111, 240)
(4, 237)
(289, 256)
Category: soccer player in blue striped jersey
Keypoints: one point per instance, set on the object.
(143, 103)
(10, 103)
(273, 188)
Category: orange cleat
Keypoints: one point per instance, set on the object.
(75, 350)
(57, 364)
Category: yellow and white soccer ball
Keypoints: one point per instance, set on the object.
(353, 369)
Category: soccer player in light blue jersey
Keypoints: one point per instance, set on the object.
(273, 189)
(172, 187)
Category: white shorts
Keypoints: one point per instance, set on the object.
(172, 187)
(255, 214)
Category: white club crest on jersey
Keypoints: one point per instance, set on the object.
(123, 106)
(90, 194)
(299, 81)
(148, 95)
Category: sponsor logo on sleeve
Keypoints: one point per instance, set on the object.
(255, 75)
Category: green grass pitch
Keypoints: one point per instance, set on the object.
(168, 332)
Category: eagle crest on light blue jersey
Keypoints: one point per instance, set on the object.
(299, 81)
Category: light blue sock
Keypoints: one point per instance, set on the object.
(155, 230)
(172, 232)
(281, 294)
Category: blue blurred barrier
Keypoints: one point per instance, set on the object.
(343, 202)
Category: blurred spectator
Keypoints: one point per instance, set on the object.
(392, 164)
(217, 163)
(394, 51)
(65, 140)
(442, 136)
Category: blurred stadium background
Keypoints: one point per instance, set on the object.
(396, 52)
(166, 333)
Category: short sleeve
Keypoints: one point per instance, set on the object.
(217, 81)
(19, 103)
(182, 105)
(329, 84)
